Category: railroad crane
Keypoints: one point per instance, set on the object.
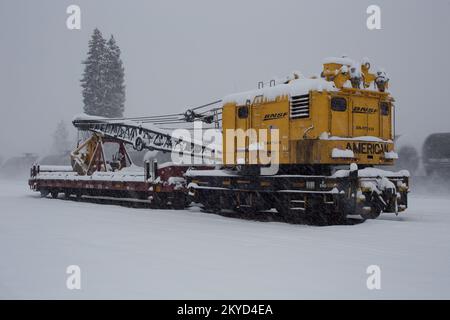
(334, 132)
(326, 136)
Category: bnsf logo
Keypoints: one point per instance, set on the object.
(274, 116)
(364, 110)
(367, 148)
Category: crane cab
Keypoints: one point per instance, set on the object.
(317, 122)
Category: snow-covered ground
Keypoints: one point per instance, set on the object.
(143, 253)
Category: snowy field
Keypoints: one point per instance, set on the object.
(143, 253)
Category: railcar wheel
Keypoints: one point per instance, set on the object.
(210, 202)
(44, 193)
(372, 214)
(179, 202)
(211, 207)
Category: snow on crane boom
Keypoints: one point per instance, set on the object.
(143, 136)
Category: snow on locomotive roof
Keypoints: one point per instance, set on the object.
(343, 60)
(293, 88)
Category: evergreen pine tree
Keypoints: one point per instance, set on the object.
(94, 76)
(115, 87)
(61, 138)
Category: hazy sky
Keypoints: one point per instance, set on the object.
(185, 53)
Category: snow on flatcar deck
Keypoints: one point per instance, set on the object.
(143, 253)
(132, 173)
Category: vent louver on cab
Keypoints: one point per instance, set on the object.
(300, 106)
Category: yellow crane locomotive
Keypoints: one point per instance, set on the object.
(333, 134)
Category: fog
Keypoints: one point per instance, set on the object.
(184, 53)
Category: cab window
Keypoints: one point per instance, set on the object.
(243, 112)
(338, 104)
(384, 108)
